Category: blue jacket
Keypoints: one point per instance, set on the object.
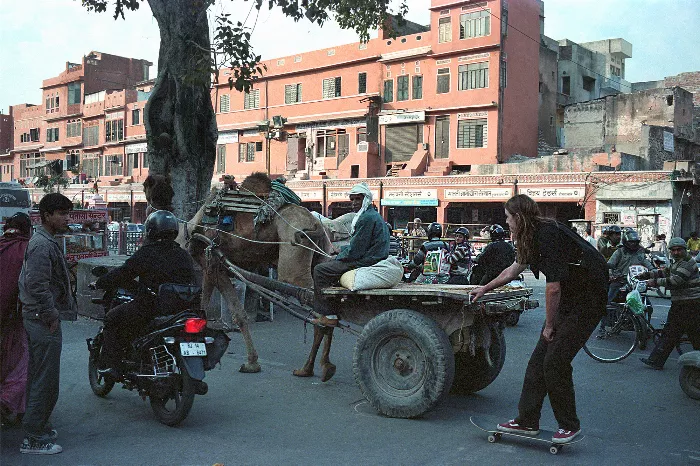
(369, 243)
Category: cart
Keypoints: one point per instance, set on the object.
(416, 343)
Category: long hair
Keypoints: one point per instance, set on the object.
(527, 215)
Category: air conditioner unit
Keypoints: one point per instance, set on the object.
(362, 147)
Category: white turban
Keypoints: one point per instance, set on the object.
(361, 188)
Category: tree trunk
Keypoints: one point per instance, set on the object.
(179, 117)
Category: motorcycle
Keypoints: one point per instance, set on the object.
(689, 376)
(168, 363)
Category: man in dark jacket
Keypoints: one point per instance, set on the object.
(159, 261)
(45, 292)
(497, 256)
(369, 244)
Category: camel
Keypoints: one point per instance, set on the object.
(272, 243)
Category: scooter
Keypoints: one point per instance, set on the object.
(168, 363)
(689, 376)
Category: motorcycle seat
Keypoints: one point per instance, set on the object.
(164, 321)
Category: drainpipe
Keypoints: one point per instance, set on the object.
(515, 187)
(324, 208)
(381, 195)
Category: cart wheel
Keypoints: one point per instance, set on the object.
(403, 363)
(474, 373)
(554, 449)
(513, 318)
(492, 438)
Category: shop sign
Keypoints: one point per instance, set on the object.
(229, 137)
(470, 194)
(406, 117)
(628, 218)
(470, 115)
(668, 141)
(344, 196)
(78, 216)
(410, 197)
(136, 148)
(309, 195)
(77, 256)
(550, 192)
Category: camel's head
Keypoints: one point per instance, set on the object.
(159, 191)
(258, 183)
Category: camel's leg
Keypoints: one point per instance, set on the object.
(308, 369)
(240, 318)
(327, 367)
(208, 282)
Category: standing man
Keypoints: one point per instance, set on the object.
(369, 244)
(576, 288)
(683, 280)
(588, 237)
(694, 243)
(608, 242)
(45, 292)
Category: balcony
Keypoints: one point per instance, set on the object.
(615, 85)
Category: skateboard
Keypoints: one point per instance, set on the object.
(544, 436)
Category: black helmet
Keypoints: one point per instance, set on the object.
(630, 240)
(612, 229)
(434, 231)
(161, 224)
(496, 232)
(462, 231)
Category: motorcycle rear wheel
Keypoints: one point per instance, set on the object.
(100, 385)
(173, 408)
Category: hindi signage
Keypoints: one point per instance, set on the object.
(552, 192)
(229, 137)
(78, 216)
(470, 115)
(406, 117)
(471, 194)
(136, 148)
(410, 197)
(344, 196)
(306, 196)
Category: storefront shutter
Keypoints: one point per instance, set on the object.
(401, 142)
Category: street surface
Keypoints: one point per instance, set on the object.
(630, 414)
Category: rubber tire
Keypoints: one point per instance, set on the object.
(99, 387)
(182, 409)
(512, 318)
(473, 373)
(689, 378)
(420, 337)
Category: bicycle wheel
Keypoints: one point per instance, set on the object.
(619, 341)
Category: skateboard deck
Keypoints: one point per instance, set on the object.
(544, 435)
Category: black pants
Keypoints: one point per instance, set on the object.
(121, 325)
(458, 280)
(327, 274)
(549, 371)
(42, 378)
(683, 318)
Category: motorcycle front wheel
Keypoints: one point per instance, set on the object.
(174, 407)
(100, 385)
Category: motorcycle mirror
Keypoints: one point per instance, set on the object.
(99, 270)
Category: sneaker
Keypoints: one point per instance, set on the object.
(52, 435)
(564, 436)
(649, 363)
(32, 446)
(515, 428)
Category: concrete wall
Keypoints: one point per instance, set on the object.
(547, 109)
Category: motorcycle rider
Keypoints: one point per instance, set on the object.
(683, 280)
(432, 272)
(609, 241)
(497, 256)
(160, 260)
(460, 258)
(619, 264)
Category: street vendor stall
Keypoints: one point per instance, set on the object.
(87, 236)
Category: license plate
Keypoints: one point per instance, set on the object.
(193, 349)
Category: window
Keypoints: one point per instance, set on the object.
(74, 128)
(331, 88)
(224, 103)
(221, 158)
(74, 93)
(258, 146)
(34, 134)
(52, 135)
(504, 22)
(343, 146)
(474, 76)
(251, 99)
(443, 80)
(588, 83)
(389, 90)
(444, 30)
(26, 161)
(52, 103)
(144, 164)
(475, 24)
(91, 135)
(250, 156)
(91, 167)
(566, 85)
(402, 88)
(611, 217)
(504, 73)
(361, 134)
(114, 130)
(418, 87)
(133, 161)
(113, 165)
(72, 159)
(362, 83)
(242, 151)
(292, 93)
(471, 133)
(136, 116)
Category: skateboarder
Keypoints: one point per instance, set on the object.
(576, 294)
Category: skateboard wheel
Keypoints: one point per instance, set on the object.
(498, 436)
(492, 438)
(554, 449)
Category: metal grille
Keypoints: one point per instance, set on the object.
(162, 361)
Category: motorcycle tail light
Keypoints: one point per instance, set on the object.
(195, 325)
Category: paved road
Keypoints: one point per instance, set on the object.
(630, 414)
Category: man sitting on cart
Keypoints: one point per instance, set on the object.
(369, 244)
